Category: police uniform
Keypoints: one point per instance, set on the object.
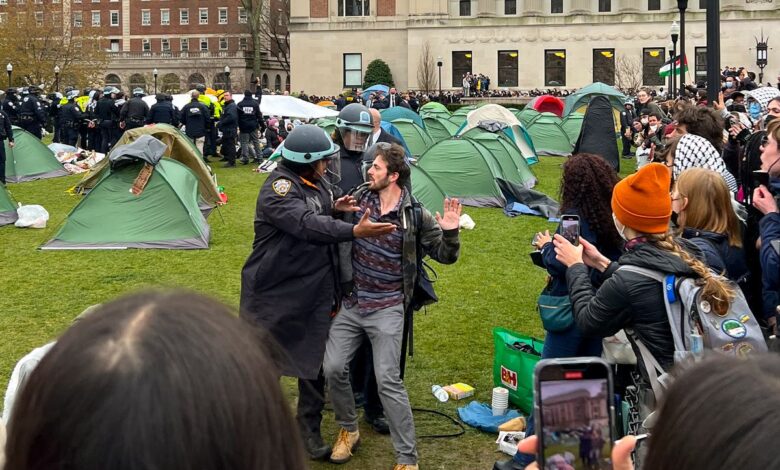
(289, 283)
(70, 120)
(5, 133)
(31, 116)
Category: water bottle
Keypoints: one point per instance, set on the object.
(440, 393)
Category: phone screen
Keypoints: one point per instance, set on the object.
(570, 229)
(574, 421)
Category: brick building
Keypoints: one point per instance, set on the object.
(186, 41)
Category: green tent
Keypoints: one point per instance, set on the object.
(527, 116)
(439, 128)
(435, 109)
(29, 159)
(328, 124)
(399, 112)
(7, 207)
(417, 140)
(572, 125)
(548, 136)
(465, 169)
(579, 100)
(164, 215)
(514, 167)
(427, 191)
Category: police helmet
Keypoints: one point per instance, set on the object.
(355, 116)
(107, 90)
(26, 90)
(72, 94)
(307, 143)
(138, 91)
(201, 88)
(10, 91)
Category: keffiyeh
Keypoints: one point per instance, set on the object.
(694, 151)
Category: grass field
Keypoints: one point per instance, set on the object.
(493, 284)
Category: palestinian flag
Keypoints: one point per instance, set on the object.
(666, 69)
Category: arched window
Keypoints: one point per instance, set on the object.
(278, 83)
(195, 79)
(220, 81)
(264, 81)
(287, 83)
(171, 84)
(137, 81)
(113, 79)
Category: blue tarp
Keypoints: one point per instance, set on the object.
(392, 130)
(384, 89)
(480, 415)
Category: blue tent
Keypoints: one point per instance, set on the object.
(384, 89)
(399, 112)
(392, 130)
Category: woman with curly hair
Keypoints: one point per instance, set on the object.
(586, 191)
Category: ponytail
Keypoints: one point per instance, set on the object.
(717, 291)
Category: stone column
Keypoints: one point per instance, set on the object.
(631, 6)
(580, 7)
(533, 7)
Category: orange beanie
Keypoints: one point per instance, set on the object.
(642, 202)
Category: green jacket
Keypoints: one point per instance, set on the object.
(441, 245)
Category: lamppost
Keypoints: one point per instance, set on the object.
(675, 33)
(713, 50)
(155, 72)
(227, 76)
(9, 68)
(682, 5)
(671, 70)
(439, 63)
(56, 78)
(761, 51)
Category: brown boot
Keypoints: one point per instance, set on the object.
(406, 466)
(346, 443)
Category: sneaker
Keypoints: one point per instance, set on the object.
(406, 466)
(316, 448)
(346, 443)
(378, 424)
(229, 165)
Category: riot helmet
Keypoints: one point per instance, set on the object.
(355, 126)
(307, 144)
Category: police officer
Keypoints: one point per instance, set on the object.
(107, 117)
(70, 119)
(163, 111)
(11, 106)
(250, 119)
(90, 122)
(354, 127)
(134, 112)
(32, 118)
(210, 139)
(5, 133)
(195, 117)
(289, 284)
(228, 124)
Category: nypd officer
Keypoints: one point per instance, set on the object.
(289, 283)
(70, 119)
(5, 133)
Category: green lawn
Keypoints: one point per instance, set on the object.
(493, 284)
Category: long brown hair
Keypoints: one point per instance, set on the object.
(709, 204)
(717, 291)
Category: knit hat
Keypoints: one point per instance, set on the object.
(641, 201)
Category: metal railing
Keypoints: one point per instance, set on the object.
(181, 55)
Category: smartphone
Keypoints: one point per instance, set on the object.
(760, 178)
(574, 410)
(570, 228)
(537, 259)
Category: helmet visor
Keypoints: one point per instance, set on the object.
(354, 140)
(333, 169)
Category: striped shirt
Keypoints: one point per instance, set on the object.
(377, 262)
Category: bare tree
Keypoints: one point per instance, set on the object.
(628, 73)
(268, 20)
(426, 69)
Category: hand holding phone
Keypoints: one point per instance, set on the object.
(570, 228)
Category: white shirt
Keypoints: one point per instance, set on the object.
(374, 137)
(20, 375)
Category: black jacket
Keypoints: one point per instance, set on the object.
(11, 108)
(135, 110)
(106, 112)
(718, 254)
(195, 116)
(271, 138)
(5, 127)
(228, 121)
(289, 283)
(351, 170)
(629, 300)
(249, 115)
(32, 110)
(163, 112)
(71, 115)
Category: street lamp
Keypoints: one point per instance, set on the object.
(439, 63)
(56, 78)
(155, 72)
(9, 68)
(761, 52)
(671, 65)
(227, 76)
(675, 33)
(682, 5)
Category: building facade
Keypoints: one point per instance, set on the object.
(184, 41)
(521, 44)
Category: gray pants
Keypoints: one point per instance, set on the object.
(384, 329)
(250, 146)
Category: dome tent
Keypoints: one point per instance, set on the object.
(548, 135)
(434, 109)
(30, 159)
(579, 100)
(142, 201)
(547, 104)
(571, 125)
(495, 118)
(7, 207)
(439, 128)
(417, 140)
(514, 167)
(426, 190)
(399, 112)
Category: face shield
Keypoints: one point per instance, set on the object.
(332, 174)
(354, 140)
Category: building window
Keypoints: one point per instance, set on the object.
(507, 68)
(243, 44)
(605, 6)
(510, 7)
(184, 16)
(165, 17)
(165, 45)
(278, 83)
(702, 4)
(556, 6)
(56, 18)
(461, 65)
(77, 19)
(464, 7)
(604, 66)
(555, 67)
(203, 16)
(353, 71)
(652, 61)
(184, 44)
(223, 15)
(146, 45)
(146, 17)
(354, 7)
(114, 17)
(4, 2)
(114, 45)
(242, 18)
(39, 18)
(93, 1)
(700, 57)
(95, 18)
(653, 5)
(204, 44)
(223, 43)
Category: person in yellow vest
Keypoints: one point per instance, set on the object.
(209, 146)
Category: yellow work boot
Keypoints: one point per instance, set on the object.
(406, 466)
(346, 443)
